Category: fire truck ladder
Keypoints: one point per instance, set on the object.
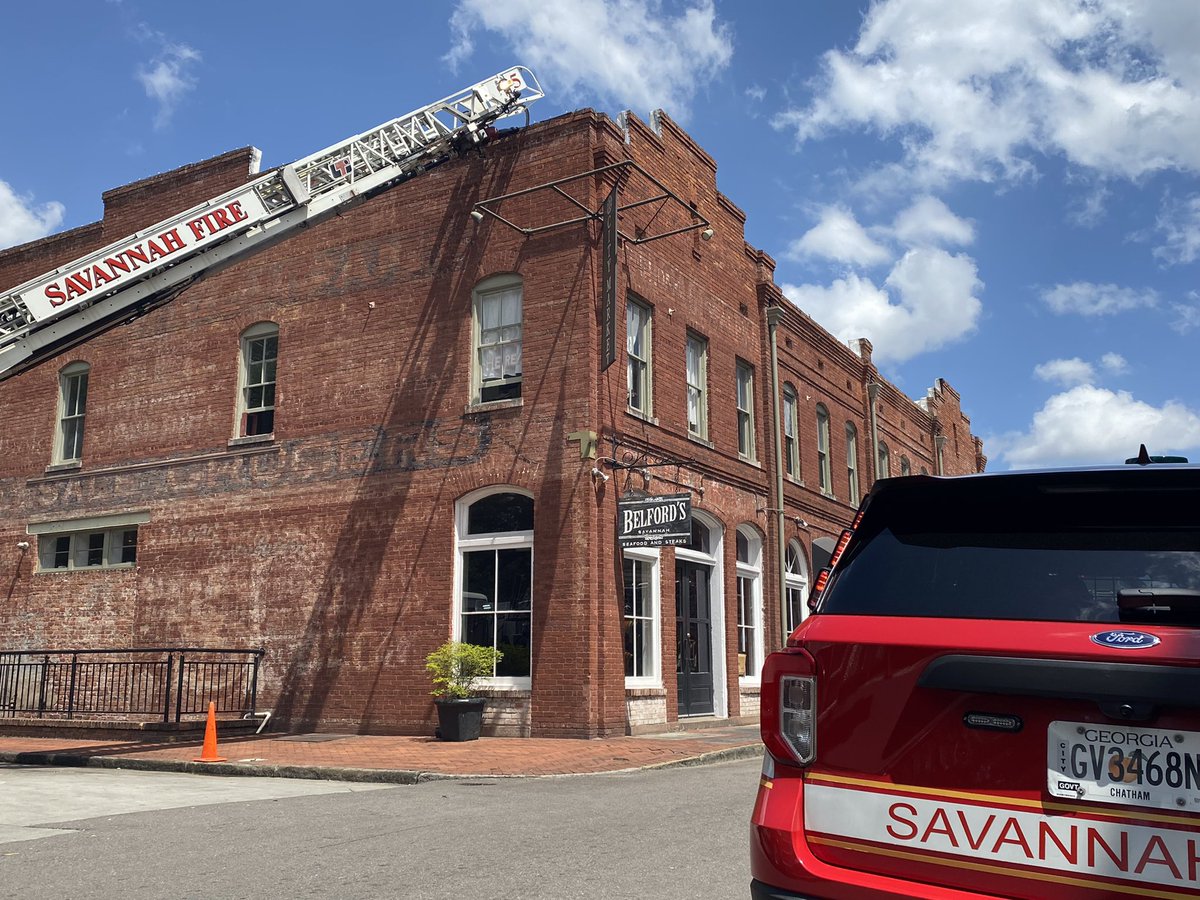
(59, 309)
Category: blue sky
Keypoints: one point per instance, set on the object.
(1004, 195)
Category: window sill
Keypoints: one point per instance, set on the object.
(644, 416)
(76, 570)
(636, 689)
(704, 442)
(750, 461)
(750, 685)
(71, 466)
(490, 405)
(250, 439)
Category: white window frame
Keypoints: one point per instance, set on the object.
(745, 411)
(496, 288)
(791, 444)
(79, 535)
(795, 579)
(72, 412)
(639, 352)
(651, 557)
(749, 602)
(697, 386)
(505, 540)
(852, 463)
(260, 331)
(883, 461)
(824, 475)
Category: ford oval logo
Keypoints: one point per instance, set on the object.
(1125, 640)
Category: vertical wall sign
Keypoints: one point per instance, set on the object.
(609, 328)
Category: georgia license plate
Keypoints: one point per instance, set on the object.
(1124, 765)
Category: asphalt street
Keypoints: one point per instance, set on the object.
(73, 834)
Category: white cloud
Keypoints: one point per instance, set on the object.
(1088, 299)
(929, 221)
(1179, 223)
(168, 77)
(1066, 371)
(1187, 315)
(839, 236)
(1092, 425)
(1114, 363)
(641, 54)
(22, 221)
(978, 90)
(934, 304)
(1075, 371)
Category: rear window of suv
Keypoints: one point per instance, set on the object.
(1117, 546)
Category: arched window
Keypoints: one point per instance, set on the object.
(749, 597)
(791, 449)
(824, 480)
(885, 465)
(498, 327)
(256, 394)
(905, 467)
(72, 406)
(852, 463)
(796, 585)
(495, 577)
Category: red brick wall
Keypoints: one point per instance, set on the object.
(333, 545)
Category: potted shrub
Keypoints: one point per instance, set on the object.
(456, 668)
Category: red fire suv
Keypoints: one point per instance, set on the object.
(997, 695)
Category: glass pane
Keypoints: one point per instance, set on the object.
(271, 348)
(254, 398)
(479, 629)
(256, 352)
(129, 546)
(95, 549)
(511, 310)
(62, 551)
(743, 548)
(513, 640)
(630, 588)
(515, 579)
(699, 537)
(269, 395)
(500, 512)
(479, 581)
(630, 650)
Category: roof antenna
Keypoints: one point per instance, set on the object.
(1143, 458)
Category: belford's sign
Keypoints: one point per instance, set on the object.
(654, 521)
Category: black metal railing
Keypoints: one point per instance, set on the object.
(157, 682)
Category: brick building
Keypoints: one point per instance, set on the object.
(397, 426)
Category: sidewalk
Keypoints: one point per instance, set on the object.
(397, 760)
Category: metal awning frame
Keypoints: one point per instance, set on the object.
(664, 197)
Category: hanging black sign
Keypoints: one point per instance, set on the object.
(654, 521)
(609, 325)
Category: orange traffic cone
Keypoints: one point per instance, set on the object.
(209, 753)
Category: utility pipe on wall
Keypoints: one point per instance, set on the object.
(774, 314)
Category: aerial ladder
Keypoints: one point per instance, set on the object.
(61, 308)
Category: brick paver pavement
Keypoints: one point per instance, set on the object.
(385, 758)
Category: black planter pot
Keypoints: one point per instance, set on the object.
(460, 720)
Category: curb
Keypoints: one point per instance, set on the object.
(331, 773)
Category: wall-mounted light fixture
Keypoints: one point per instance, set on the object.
(477, 215)
(706, 234)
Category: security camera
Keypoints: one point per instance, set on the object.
(596, 473)
(706, 234)
(22, 545)
(477, 215)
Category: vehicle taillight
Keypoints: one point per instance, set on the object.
(798, 716)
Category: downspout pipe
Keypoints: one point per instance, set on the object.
(872, 396)
(774, 315)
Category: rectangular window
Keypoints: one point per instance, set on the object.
(260, 356)
(499, 330)
(852, 463)
(104, 548)
(697, 386)
(637, 347)
(791, 449)
(747, 659)
(639, 618)
(745, 410)
(73, 385)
